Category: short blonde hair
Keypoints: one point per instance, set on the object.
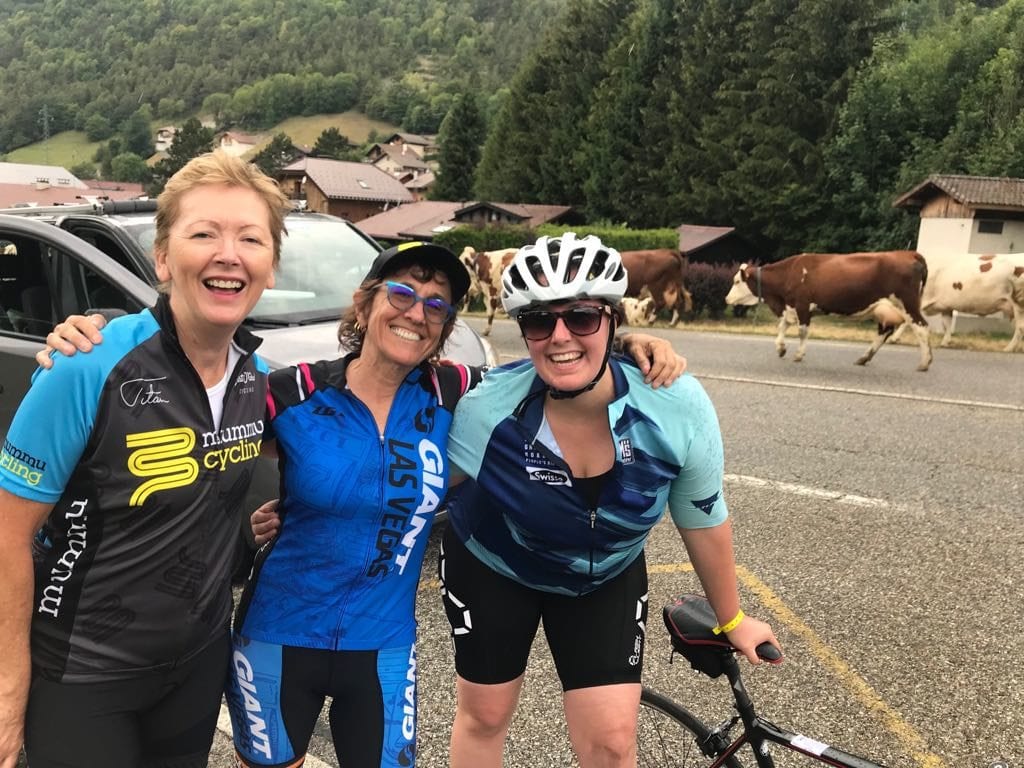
(218, 167)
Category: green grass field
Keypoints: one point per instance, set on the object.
(65, 149)
(72, 147)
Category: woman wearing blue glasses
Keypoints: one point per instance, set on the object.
(571, 461)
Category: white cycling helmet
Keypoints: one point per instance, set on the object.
(562, 268)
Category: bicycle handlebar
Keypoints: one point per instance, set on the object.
(769, 653)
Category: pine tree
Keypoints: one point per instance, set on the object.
(332, 144)
(460, 138)
(534, 151)
(628, 137)
(136, 132)
(276, 155)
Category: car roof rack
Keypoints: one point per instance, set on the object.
(110, 207)
(52, 210)
(129, 206)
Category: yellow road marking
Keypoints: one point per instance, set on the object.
(854, 683)
(864, 693)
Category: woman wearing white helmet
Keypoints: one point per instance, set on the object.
(571, 461)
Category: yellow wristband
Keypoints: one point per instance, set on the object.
(731, 625)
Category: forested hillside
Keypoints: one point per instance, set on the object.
(796, 121)
(399, 61)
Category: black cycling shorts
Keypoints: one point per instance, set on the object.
(595, 639)
(157, 720)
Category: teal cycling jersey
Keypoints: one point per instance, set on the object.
(522, 512)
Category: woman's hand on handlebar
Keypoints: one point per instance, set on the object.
(266, 523)
(749, 634)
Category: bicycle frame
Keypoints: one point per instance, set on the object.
(758, 732)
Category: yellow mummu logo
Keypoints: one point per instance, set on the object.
(162, 455)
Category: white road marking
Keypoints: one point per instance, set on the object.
(867, 392)
(224, 726)
(506, 358)
(818, 493)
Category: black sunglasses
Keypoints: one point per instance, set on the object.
(537, 325)
(403, 297)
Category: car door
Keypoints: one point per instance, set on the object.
(47, 274)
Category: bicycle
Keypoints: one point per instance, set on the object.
(667, 733)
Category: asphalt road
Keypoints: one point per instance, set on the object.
(878, 522)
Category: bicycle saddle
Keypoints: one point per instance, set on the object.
(690, 622)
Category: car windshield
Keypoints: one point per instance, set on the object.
(323, 260)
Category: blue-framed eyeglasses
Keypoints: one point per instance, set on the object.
(404, 298)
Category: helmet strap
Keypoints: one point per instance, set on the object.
(568, 394)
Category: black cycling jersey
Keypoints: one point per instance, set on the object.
(133, 565)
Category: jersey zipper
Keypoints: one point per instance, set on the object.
(593, 537)
(381, 460)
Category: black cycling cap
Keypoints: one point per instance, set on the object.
(395, 258)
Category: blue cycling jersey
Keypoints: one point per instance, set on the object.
(356, 508)
(522, 512)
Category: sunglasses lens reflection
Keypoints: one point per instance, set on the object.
(581, 321)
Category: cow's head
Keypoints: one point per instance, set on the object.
(740, 292)
(639, 312)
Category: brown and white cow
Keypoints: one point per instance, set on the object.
(485, 268)
(639, 311)
(660, 270)
(978, 285)
(843, 284)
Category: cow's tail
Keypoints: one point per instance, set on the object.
(924, 269)
(686, 299)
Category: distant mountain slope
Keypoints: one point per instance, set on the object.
(70, 148)
(62, 62)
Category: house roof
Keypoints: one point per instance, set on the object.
(133, 188)
(531, 215)
(344, 180)
(415, 221)
(25, 173)
(693, 237)
(406, 159)
(973, 191)
(16, 195)
(409, 138)
(422, 181)
(426, 218)
(239, 137)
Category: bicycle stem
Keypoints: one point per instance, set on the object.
(745, 707)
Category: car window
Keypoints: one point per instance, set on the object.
(25, 299)
(41, 285)
(322, 263)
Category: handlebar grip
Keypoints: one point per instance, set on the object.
(769, 653)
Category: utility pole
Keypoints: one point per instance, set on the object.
(44, 119)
